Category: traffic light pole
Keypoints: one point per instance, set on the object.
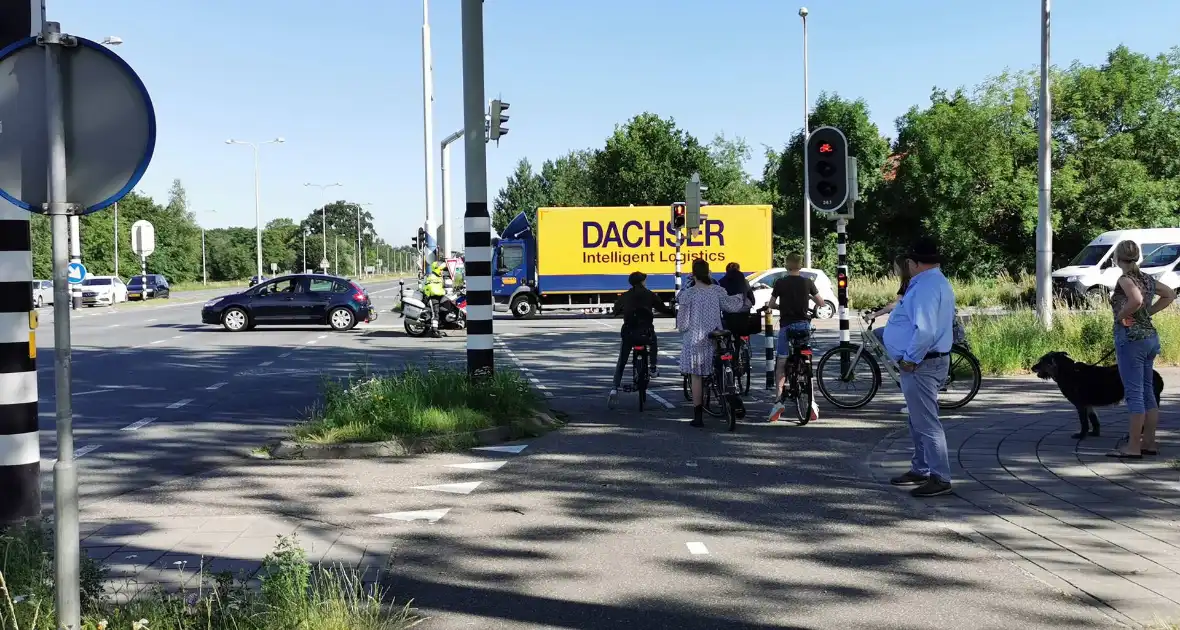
(842, 291)
(477, 224)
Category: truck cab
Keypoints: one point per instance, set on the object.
(514, 270)
(1092, 274)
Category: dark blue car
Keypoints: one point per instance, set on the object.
(300, 299)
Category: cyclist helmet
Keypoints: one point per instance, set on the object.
(636, 278)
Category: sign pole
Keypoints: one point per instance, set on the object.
(65, 472)
(477, 223)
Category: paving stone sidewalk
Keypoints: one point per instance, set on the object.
(1102, 529)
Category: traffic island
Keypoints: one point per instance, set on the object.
(418, 410)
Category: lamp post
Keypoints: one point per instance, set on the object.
(1044, 267)
(257, 195)
(360, 260)
(111, 42)
(324, 211)
(204, 268)
(806, 135)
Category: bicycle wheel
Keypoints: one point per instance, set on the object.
(641, 377)
(962, 380)
(687, 388)
(714, 403)
(805, 394)
(746, 369)
(863, 373)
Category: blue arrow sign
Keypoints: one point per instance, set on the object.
(76, 273)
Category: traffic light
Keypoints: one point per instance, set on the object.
(498, 118)
(694, 194)
(841, 281)
(678, 215)
(420, 240)
(827, 169)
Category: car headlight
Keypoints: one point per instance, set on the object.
(1071, 279)
(213, 302)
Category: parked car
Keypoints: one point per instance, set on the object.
(299, 299)
(763, 284)
(103, 291)
(42, 293)
(155, 287)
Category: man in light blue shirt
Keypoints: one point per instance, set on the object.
(918, 336)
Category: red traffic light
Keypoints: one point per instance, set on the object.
(679, 211)
(825, 148)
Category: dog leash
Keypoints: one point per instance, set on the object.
(1105, 357)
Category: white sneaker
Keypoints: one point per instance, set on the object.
(612, 398)
(776, 412)
(814, 412)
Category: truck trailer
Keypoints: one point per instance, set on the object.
(579, 258)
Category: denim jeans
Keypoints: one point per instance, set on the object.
(920, 388)
(1137, 368)
(783, 345)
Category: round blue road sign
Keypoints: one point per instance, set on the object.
(76, 273)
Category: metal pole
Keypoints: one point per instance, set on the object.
(204, 269)
(679, 263)
(20, 446)
(359, 271)
(842, 292)
(65, 473)
(448, 244)
(806, 135)
(337, 254)
(75, 257)
(257, 212)
(116, 239)
(1044, 194)
(477, 224)
(428, 119)
(305, 249)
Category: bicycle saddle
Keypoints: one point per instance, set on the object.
(720, 334)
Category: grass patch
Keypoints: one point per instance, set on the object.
(416, 403)
(1010, 344)
(293, 594)
(1003, 291)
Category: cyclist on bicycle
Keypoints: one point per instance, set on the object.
(734, 282)
(793, 294)
(635, 306)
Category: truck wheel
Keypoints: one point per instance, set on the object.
(523, 308)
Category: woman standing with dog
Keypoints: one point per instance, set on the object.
(1136, 345)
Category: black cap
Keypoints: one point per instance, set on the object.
(925, 251)
(636, 278)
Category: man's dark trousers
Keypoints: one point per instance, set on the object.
(629, 342)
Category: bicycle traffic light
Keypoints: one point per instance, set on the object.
(497, 118)
(678, 215)
(827, 169)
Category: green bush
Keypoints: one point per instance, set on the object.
(1002, 291)
(1011, 344)
(416, 403)
(294, 595)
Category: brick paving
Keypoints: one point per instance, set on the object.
(1102, 529)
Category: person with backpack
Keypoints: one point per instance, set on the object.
(635, 307)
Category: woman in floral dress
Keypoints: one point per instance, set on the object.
(699, 313)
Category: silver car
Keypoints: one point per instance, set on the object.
(42, 293)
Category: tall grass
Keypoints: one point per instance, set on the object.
(1011, 344)
(1001, 291)
(293, 594)
(416, 403)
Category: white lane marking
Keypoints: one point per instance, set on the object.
(158, 341)
(139, 424)
(513, 448)
(660, 399)
(479, 465)
(430, 516)
(312, 342)
(265, 363)
(180, 403)
(153, 319)
(178, 336)
(284, 355)
(89, 448)
(216, 386)
(697, 548)
(114, 325)
(97, 391)
(322, 337)
(454, 488)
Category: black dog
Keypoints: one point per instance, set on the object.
(1087, 386)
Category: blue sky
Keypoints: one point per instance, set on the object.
(341, 82)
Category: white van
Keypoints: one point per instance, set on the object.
(1162, 264)
(1092, 273)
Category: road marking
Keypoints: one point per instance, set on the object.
(135, 426)
(430, 516)
(114, 325)
(660, 399)
(601, 323)
(284, 355)
(178, 336)
(153, 319)
(311, 342)
(265, 363)
(512, 448)
(158, 341)
(454, 488)
(216, 386)
(89, 448)
(180, 403)
(322, 337)
(479, 465)
(697, 548)
(691, 463)
(97, 391)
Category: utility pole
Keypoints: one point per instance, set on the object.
(1044, 194)
(448, 244)
(806, 135)
(428, 119)
(477, 224)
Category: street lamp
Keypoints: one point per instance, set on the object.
(359, 258)
(324, 212)
(111, 42)
(257, 195)
(806, 135)
(204, 270)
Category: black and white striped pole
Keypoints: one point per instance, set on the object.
(20, 447)
(477, 223)
(678, 217)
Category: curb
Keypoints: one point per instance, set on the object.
(538, 424)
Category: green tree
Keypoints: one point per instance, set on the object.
(524, 192)
(647, 161)
(566, 180)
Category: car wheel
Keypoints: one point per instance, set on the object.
(38, 302)
(235, 320)
(827, 311)
(341, 319)
(523, 308)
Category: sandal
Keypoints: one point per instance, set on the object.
(1122, 455)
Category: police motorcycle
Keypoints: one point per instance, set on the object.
(434, 306)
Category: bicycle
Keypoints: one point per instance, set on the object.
(797, 371)
(720, 394)
(870, 355)
(640, 373)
